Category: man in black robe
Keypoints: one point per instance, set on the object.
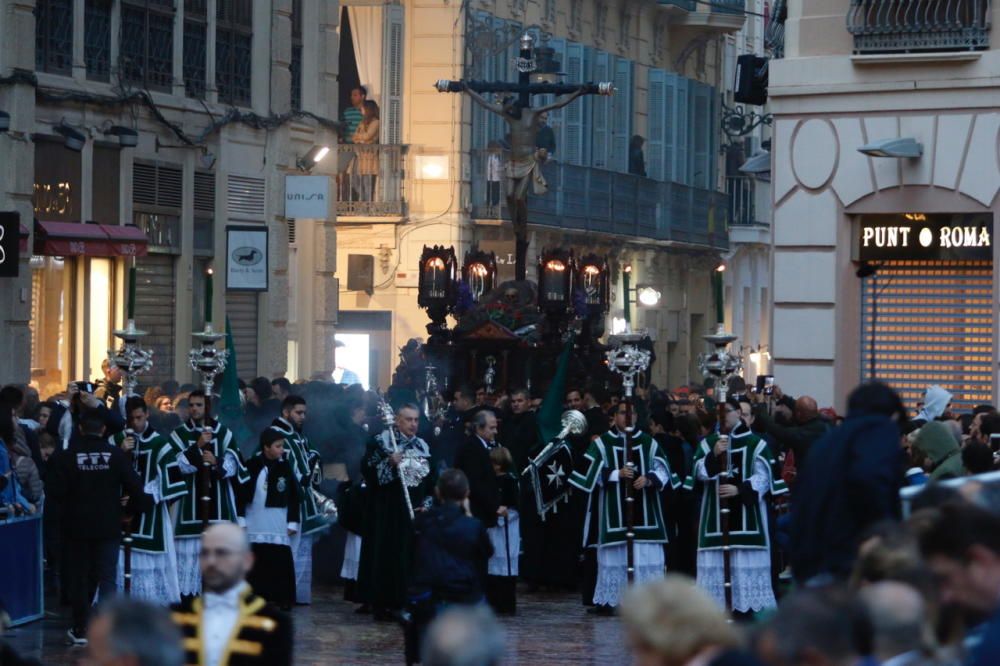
(387, 545)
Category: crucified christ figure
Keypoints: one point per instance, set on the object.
(524, 167)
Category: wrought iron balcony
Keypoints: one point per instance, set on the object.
(741, 191)
(915, 26)
(370, 180)
(589, 200)
(724, 6)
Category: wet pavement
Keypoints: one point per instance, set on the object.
(548, 628)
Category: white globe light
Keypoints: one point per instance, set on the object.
(649, 296)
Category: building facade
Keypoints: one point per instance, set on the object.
(180, 118)
(883, 259)
(435, 186)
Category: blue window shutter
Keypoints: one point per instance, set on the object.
(682, 134)
(571, 145)
(669, 125)
(656, 113)
(621, 118)
(701, 134)
(601, 113)
(392, 78)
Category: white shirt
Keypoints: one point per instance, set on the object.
(220, 616)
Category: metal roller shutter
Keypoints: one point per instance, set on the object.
(934, 325)
(241, 308)
(154, 312)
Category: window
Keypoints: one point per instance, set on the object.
(233, 53)
(97, 39)
(54, 36)
(157, 199)
(147, 43)
(295, 66)
(682, 142)
(195, 47)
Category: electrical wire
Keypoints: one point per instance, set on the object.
(145, 99)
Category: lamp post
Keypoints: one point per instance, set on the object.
(523, 120)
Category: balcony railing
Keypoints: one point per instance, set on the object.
(724, 6)
(370, 180)
(914, 26)
(742, 207)
(589, 200)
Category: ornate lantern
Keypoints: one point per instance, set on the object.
(480, 273)
(555, 280)
(436, 286)
(592, 280)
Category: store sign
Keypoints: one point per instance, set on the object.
(925, 236)
(307, 197)
(10, 244)
(504, 249)
(246, 258)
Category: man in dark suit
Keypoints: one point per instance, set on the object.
(229, 619)
(92, 482)
(474, 460)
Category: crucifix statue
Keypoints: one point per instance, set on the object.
(523, 170)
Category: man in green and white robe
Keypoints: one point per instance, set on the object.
(303, 459)
(196, 441)
(751, 478)
(607, 473)
(153, 559)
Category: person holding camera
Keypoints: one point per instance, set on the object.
(64, 420)
(93, 483)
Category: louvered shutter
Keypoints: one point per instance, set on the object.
(154, 307)
(392, 78)
(573, 144)
(204, 213)
(656, 113)
(245, 198)
(933, 325)
(682, 135)
(242, 311)
(144, 184)
(621, 115)
(701, 134)
(601, 114)
(669, 125)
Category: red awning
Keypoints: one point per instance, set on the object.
(75, 239)
(22, 238)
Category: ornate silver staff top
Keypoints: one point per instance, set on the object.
(207, 359)
(131, 359)
(628, 360)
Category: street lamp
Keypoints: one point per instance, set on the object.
(315, 155)
(436, 286)
(648, 296)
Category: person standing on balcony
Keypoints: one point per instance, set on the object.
(353, 115)
(367, 133)
(494, 175)
(636, 158)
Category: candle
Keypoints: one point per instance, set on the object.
(208, 297)
(131, 292)
(717, 284)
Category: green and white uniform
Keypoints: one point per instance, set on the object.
(153, 559)
(604, 457)
(229, 470)
(751, 469)
(303, 458)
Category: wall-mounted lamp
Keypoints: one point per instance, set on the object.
(759, 162)
(206, 159)
(648, 296)
(127, 137)
(432, 167)
(899, 147)
(74, 138)
(4, 121)
(315, 155)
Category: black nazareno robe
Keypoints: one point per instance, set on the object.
(388, 540)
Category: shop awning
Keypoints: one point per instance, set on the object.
(76, 239)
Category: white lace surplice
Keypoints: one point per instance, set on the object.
(750, 567)
(352, 557)
(154, 575)
(503, 543)
(612, 574)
